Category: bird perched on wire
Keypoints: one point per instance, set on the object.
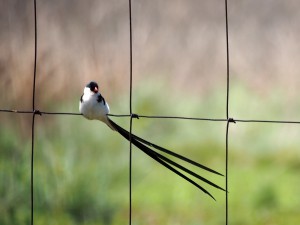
(93, 106)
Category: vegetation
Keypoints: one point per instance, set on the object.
(81, 170)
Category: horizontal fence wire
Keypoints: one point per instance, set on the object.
(132, 116)
(137, 116)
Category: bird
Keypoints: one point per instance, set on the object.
(93, 106)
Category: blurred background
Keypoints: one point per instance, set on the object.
(179, 69)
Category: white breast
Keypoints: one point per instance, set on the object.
(92, 109)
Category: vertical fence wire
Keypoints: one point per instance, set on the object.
(227, 59)
(31, 168)
(130, 110)
(227, 112)
(226, 173)
(33, 115)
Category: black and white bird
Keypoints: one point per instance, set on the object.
(93, 106)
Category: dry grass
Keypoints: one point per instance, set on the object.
(182, 40)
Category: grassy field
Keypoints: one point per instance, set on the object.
(81, 169)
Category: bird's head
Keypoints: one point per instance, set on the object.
(92, 88)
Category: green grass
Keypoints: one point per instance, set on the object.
(81, 168)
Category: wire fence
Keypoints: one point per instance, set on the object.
(228, 120)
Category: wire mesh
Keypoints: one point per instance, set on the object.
(131, 115)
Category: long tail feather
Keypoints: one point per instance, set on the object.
(116, 126)
(154, 156)
(177, 155)
(164, 160)
(188, 171)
